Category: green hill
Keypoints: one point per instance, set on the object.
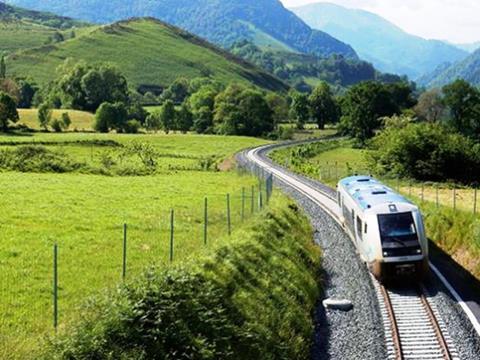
(222, 22)
(147, 51)
(467, 69)
(21, 29)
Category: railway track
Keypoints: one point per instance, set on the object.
(413, 326)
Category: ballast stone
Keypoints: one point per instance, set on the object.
(336, 304)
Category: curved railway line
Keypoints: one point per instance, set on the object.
(413, 326)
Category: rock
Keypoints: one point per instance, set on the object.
(336, 304)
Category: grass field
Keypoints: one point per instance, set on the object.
(84, 214)
(162, 52)
(81, 120)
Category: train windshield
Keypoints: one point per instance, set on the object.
(397, 225)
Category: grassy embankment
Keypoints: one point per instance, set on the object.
(254, 295)
(457, 232)
(84, 213)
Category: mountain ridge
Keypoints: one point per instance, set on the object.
(222, 22)
(377, 40)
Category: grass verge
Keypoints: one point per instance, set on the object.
(253, 296)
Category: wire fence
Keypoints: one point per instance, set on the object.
(447, 195)
(43, 286)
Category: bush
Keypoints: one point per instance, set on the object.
(254, 296)
(132, 127)
(425, 152)
(35, 158)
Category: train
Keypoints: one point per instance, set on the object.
(387, 229)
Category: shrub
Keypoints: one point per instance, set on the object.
(254, 296)
(35, 158)
(425, 152)
(132, 126)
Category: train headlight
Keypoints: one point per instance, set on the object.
(385, 253)
(419, 251)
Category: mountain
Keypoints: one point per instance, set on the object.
(21, 28)
(147, 51)
(376, 40)
(467, 69)
(470, 47)
(304, 71)
(223, 22)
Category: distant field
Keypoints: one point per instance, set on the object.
(85, 214)
(81, 120)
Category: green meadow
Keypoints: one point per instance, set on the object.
(84, 214)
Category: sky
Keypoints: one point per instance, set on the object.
(456, 21)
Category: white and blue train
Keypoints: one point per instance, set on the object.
(387, 229)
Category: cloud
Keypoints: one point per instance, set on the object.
(453, 20)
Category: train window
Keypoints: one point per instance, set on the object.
(359, 226)
(396, 225)
(366, 228)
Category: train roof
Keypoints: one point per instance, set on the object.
(368, 192)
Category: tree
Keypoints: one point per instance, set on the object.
(184, 119)
(202, 104)
(84, 87)
(44, 116)
(430, 106)
(299, 110)
(10, 87)
(3, 68)
(66, 121)
(177, 91)
(323, 107)
(111, 117)
(242, 111)
(279, 106)
(167, 116)
(137, 112)
(27, 92)
(425, 151)
(152, 122)
(463, 100)
(362, 107)
(8, 111)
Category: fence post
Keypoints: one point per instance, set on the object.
(243, 204)
(124, 262)
(229, 224)
(475, 201)
(172, 218)
(253, 200)
(55, 286)
(454, 198)
(410, 188)
(436, 195)
(205, 221)
(336, 170)
(260, 199)
(423, 191)
(398, 184)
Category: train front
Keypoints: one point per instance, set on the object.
(402, 246)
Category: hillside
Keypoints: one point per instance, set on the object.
(223, 22)
(21, 29)
(467, 69)
(307, 70)
(376, 40)
(147, 51)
